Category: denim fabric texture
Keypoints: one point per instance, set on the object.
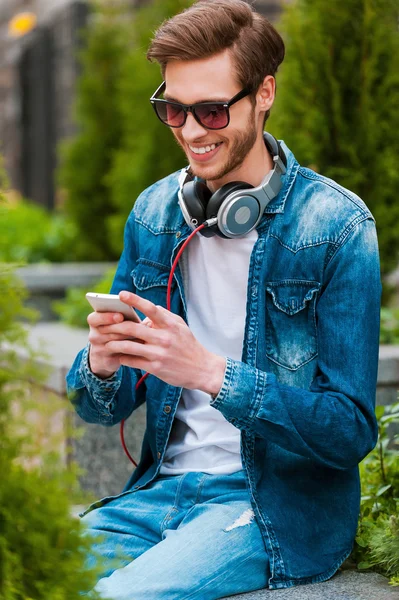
(303, 394)
(199, 535)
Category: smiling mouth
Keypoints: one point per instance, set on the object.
(204, 149)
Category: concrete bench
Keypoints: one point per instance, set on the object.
(344, 585)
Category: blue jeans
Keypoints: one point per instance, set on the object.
(183, 536)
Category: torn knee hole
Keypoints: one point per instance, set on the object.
(245, 519)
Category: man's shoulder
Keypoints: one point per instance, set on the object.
(319, 210)
(157, 206)
(336, 196)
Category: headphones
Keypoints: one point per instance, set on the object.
(237, 207)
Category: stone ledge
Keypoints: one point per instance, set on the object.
(345, 585)
(58, 277)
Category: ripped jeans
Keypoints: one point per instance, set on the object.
(190, 536)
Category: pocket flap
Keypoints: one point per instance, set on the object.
(148, 275)
(291, 295)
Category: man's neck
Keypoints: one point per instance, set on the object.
(255, 167)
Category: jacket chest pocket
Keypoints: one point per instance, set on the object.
(151, 281)
(291, 335)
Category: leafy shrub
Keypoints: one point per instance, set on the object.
(337, 99)
(74, 309)
(147, 150)
(29, 233)
(389, 326)
(42, 551)
(121, 147)
(87, 157)
(377, 540)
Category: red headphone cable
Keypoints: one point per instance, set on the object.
(208, 223)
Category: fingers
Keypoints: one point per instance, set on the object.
(96, 339)
(128, 329)
(131, 348)
(96, 319)
(157, 314)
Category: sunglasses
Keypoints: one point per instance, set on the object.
(211, 115)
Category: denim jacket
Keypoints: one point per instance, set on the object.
(303, 394)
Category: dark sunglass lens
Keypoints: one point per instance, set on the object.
(212, 116)
(171, 114)
(174, 115)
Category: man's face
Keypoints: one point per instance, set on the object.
(225, 149)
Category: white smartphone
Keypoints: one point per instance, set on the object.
(111, 303)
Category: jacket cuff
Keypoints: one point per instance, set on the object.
(241, 393)
(101, 390)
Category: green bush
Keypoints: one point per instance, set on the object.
(121, 147)
(29, 233)
(377, 540)
(147, 150)
(389, 326)
(87, 157)
(337, 99)
(42, 549)
(74, 309)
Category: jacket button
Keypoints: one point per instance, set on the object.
(159, 455)
(178, 234)
(167, 409)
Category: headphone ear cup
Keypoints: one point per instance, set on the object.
(217, 199)
(196, 196)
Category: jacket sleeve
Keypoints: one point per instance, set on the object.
(108, 401)
(333, 422)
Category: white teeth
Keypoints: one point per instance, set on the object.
(203, 150)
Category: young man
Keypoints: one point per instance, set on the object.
(260, 398)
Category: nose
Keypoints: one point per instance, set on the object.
(192, 130)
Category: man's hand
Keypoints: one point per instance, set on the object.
(102, 362)
(167, 348)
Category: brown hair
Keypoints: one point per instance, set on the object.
(211, 26)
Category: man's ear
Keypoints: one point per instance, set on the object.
(265, 94)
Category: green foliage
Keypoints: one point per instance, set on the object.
(147, 151)
(121, 147)
(42, 550)
(389, 326)
(87, 158)
(29, 233)
(337, 99)
(377, 540)
(74, 309)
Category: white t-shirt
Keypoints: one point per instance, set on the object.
(215, 275)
